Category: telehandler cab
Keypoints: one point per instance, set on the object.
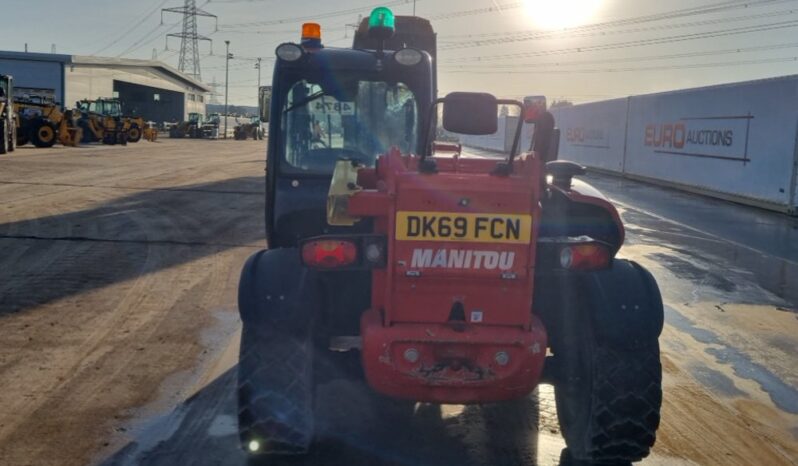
(101, 120)
(451, 279)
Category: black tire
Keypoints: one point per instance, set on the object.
(88, 135)
(608, 394)
(4, 137)
(121, 138)
(22, 137)
(276, 384)
(134, 133)
(43, 134)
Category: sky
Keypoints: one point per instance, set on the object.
(578, 50)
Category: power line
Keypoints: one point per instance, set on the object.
(644, 68)
(539, 65)
(495, 8)
(140, 43)
(634, 43)
(132, 28)
(596, 28)
(148, 38)
(282, 31)
(299, 19)
(440, 17)
(633, 20)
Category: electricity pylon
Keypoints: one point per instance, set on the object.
(189, 39)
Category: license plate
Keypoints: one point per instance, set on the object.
(470, 227)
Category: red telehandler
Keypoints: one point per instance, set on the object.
(449, 279)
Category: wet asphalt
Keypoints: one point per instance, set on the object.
(729, 252)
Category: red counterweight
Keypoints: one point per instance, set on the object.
(451, 317)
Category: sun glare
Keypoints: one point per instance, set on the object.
(557, 14)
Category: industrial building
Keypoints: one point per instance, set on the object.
(149, 88)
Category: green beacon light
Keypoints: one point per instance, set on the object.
(382, 23)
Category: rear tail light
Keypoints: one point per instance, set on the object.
(351, 252)
(589, 256)
(329, 253)
(574, 253)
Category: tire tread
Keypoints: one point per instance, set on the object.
(626, 400)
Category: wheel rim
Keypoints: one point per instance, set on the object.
(46, 134)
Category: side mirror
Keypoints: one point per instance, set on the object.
(534, 108)
(546, 139)
(470, 113)
(264, 102)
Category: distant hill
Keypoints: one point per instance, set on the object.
(242, 110)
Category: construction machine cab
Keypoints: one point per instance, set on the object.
(195, 118)
(6, 87)
(102, 106)
(329, 103)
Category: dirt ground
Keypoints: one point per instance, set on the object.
(114, 263)
(118, 276)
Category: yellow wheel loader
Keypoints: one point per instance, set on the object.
(135, 127)
(43, 123)
(101, 120)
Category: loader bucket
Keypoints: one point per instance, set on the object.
(71, 137)
(150, 134)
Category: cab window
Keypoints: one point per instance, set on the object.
(318, 128)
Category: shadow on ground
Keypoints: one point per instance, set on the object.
(354, 430)
(54, 256)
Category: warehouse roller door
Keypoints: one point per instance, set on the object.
(151, 103)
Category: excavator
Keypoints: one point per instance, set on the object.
(43, 123)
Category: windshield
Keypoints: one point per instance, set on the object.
(103, 107)
(319, 129)
(112, 108)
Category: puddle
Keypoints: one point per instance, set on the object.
(783, 395)
(148, 433)
(689, 271)
(716, 380)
